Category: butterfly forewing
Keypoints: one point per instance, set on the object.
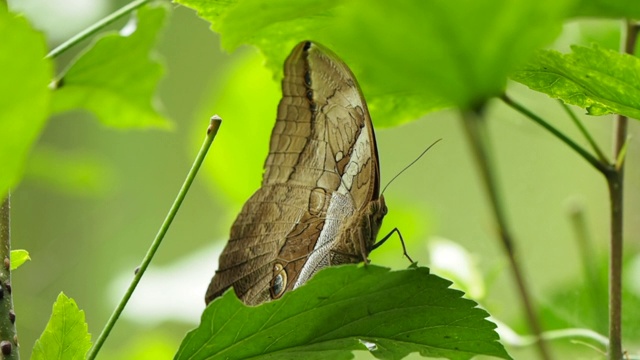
(321, 177)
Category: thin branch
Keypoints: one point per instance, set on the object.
(616, 193)
(478, 141)
(584, 132)
(97, 26)
(8, 332)
(212, 130)
(603, 168)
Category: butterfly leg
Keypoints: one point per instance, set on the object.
(382, 241)
(364, 235)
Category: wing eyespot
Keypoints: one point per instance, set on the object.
(279, 281)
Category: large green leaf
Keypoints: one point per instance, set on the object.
(599, 80)
(24, 94)
(116, 78)
(66, 336)
(340, 309)
(410, 57)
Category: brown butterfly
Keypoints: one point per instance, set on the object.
(319, 204)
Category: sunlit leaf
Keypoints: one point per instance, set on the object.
(410, 57)
(24, 94)
(66, 336)
(395, 312)
(19, 257)
(116, 78)
(599, 80)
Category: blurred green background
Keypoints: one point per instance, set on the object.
(94, 197)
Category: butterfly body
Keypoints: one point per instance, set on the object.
(319, 202)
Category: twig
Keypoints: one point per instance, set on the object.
(96, 27)
(603, 168)
(615, 181)
(584, 132)
(212, 130)
(478, 141)
(8, 334)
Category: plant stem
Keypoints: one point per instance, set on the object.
(212, 130)
(603, 168)
(615, 181)
(96, 27)
(477, 139)
(7, 327)
(8, 334)
(584, 132)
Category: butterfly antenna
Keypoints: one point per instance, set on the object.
(408, 166)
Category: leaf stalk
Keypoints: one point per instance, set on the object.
(95, 27)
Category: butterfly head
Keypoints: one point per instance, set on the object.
(378, 211)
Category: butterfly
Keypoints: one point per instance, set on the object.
(319, 203)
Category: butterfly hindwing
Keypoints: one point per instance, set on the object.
(320, 181)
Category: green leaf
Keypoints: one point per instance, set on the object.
(398, 312)
(24, 94)
(598, 80)
(19, 257)
(608, 8)
(410, 57)
(66, 335)
(116, 78)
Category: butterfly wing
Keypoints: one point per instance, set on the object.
(321, 169)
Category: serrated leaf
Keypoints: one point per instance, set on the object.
(410, 57)
(117, 76)
(398, 311)
(19, 257)
(608, 8)
(66, 335)
(598, 80)
(24, 94)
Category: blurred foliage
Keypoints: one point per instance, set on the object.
(583, 304)
(247, 98)
(24, 95)
(148, 346)
(608, 8)
(69, 172)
